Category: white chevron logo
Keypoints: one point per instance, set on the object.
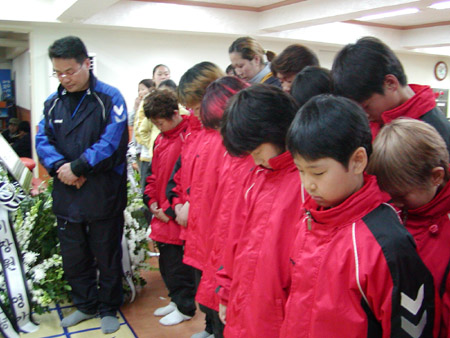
(413, 306)
(414, 331)
(119, 111)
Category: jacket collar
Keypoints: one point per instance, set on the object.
(172, 133)
(353, 208)
(194, 122)
(438, 206)
(262, 73)
(92, 83)
(422, 102)
(281, 161)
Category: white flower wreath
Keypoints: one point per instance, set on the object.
(35, 228)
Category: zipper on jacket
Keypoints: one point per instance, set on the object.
(309, 219)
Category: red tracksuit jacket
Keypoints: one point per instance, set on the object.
(210, 156)
(166, 151)
(255, 278)
(430, 227)
(355, 272)
(233, 176)
(183, 175)
(180, 184)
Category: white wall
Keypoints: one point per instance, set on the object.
(420, 69)
(126, 56)
(21, 69)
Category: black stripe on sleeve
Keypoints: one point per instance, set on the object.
(413, 286)
(444, 281)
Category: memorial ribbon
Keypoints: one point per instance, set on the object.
(13, 270)
(126, 266)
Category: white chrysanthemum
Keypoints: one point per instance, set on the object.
(30, 257)
(37, 292)
(39, 274)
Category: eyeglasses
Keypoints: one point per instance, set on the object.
(70, 73)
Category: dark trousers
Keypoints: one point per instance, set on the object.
(216, 324)
(143, 169)
(178, 277)
(89, 247)
(211, 316)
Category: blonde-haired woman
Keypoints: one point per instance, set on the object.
(248, 59)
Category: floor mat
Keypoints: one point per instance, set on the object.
(50, 326)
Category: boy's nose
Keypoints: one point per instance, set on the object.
(311, 186)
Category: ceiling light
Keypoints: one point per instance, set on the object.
(389, 14)
(440, 5)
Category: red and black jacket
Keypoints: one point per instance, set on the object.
(355, 272)
(166, 150)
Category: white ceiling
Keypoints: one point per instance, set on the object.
(331, 22)
(250, 3)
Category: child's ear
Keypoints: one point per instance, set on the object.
(176, 112)
(437, 176)
(358, 161)
(390, 83)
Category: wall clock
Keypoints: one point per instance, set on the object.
(440, 70)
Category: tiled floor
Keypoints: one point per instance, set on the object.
(136, 319)
(49, 326)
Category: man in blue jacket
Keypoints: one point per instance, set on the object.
(82, 142)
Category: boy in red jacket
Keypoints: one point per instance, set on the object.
(161, 108)
(410, 160)
(355, 271)
(253, 280)
(371, 74)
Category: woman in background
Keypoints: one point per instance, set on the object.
(247, 59)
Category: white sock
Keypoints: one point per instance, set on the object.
(173, 318)
(165, 310)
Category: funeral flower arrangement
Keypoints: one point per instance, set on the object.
(35, 228)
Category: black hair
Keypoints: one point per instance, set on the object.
(148, 83)
(359, 69)
(157, 66)
(256, 115)
(169, 84)
(24, 126)
(69, 47)
(160, 104)
(329, 126)
(311, 81)
(230, 69)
